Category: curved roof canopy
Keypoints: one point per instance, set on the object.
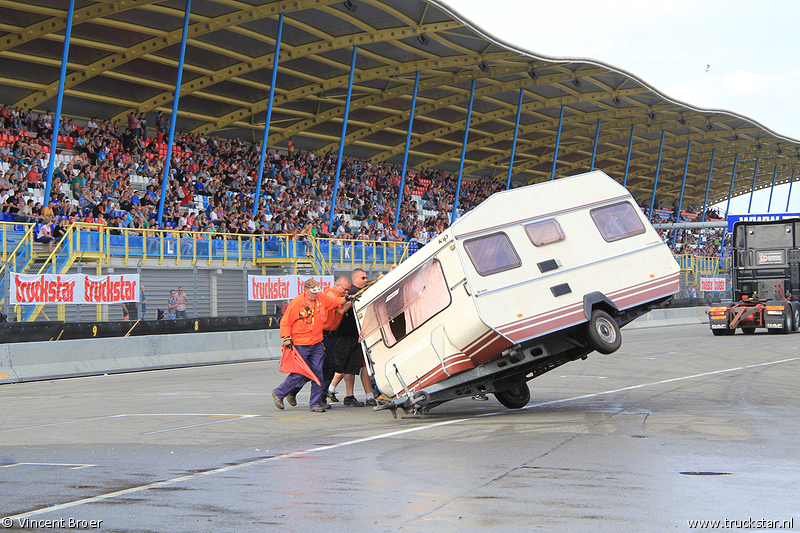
(124, 56)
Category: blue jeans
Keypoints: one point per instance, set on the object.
(181, 314)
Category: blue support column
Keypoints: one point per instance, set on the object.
(772, 188)
(683, 183)
(558, 141)
(405, 153)
(514, 143)
(174, 117)
(344, 133)
(454, 215)
(57, 119)
(708, 184)
(655, 183)
(594, 150)
(728, 205)
(628, 161)
(791, 182)
(753, 188)
(269, 114)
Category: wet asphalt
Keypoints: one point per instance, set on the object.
(676, 426)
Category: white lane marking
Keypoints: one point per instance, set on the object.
(173, 481)
(683, 378)
(199, 425)
(73, 466)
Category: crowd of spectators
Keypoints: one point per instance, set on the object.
(111, 174)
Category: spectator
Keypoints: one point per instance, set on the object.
(171, 305)
(181, 300)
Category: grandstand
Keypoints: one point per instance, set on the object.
(438, 116)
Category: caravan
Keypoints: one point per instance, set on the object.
(531, 279)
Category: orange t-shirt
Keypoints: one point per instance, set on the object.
(334, 318)
(303, 321)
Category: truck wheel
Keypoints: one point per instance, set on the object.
(603, 332)
(795, 316)
(748, 331)
(516, 397)
(788, 321)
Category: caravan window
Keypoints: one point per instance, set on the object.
(617, 221)
(544, 232)
(408, 304)
(492, 253)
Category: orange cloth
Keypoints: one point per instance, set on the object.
(305, 326)
(293, 363)
(334, 318)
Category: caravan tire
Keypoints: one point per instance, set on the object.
(604, 335)
(422, 398)
(515, 397)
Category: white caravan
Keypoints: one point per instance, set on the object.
(531, 279)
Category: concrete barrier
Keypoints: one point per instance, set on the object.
(33, 361)
(680, 316)
(49, 360)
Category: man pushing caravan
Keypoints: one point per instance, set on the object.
(529, 280)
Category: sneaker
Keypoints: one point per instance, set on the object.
(325, 404)
(317, 409)
(352, 402)
(278, 401)
(291, 399)
(371, 402)
(332, 397)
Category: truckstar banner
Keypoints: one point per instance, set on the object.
(269, 288)
(73, 289)
(712, 284)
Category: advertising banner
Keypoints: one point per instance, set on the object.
(73, 289)
(763, 217)
(712, 285)
(270, 288)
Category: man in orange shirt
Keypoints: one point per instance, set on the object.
(331, 322)
(301, 327)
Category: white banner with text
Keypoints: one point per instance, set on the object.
(268, 288)
(73, 289)
(712, 284)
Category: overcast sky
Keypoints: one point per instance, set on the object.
(735, 55)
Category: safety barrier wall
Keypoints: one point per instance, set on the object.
(61, 359)
(34, 361)
(683, 316)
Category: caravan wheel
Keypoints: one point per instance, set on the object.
(516, 397)
(603, 332)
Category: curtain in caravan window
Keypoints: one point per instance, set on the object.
(492, 253)
(408, 304)
(617, 221)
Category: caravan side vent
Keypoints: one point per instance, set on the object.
(547, 266)
(561, 290)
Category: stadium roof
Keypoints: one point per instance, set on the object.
(124, 56)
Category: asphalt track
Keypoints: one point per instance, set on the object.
(676, 426)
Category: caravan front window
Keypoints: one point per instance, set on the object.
(617, 221)
(492, 253)
(408, 304)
